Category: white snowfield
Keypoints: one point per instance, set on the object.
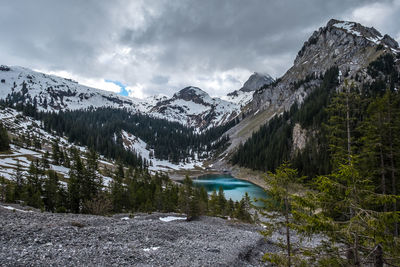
(242, 98)
(135, 144)
(172, 218)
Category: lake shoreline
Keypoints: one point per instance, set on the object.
(238, 173)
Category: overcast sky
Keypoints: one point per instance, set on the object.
(152, 47)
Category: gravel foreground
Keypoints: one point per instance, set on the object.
(43, 239)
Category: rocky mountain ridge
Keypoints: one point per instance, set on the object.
(347, 45)
(190, 106)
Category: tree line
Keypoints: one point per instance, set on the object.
(353, 204)
(127, 189)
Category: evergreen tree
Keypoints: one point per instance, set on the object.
(221, 201)
(19, 181)
(342, 209)
(91, 183)
(117, 189)
(56, 152)
(281, 187)
(50, 191)
(4, 139)
(213, 206)
(33, 187)
(76, 177)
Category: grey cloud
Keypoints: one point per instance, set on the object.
(159, 79)
(171, 42)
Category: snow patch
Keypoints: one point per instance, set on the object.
(12, 208)
(171, 218)
(150, 249)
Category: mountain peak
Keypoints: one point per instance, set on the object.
(255, 81)
(370, 33)
(191, 93)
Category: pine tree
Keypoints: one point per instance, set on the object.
(76, 176)
(19, 181)
(213, 206)
(33, 187)
(342, 209)
(4, 139)
(117, 189)
(50, 191)
(281, 187)
(91, 183)
(56, 152)
(221, 200)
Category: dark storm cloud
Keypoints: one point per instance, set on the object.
(224, 34)
(153, 45)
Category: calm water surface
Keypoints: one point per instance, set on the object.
(233, 188)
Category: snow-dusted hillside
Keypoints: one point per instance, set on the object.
(54, 93)
(190, 106)
(244, 95)
(194, 107)
(21, 127)
(137, 145)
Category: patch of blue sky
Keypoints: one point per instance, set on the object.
(123, 90)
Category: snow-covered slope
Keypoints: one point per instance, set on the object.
(194, 107)
(244, 95)
(54, 93)
(137, 145)
(190, 106)
(21, 128)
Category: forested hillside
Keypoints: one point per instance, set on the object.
(319, 116)
(101, 130)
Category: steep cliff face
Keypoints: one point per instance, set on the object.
(346, 45)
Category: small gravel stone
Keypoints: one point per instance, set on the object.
(48, 239)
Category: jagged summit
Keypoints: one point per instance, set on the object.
(255, 81)
(369, 33)
(245, 94)
(348, 45)
(191, 93)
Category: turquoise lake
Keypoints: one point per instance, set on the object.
(233, 188)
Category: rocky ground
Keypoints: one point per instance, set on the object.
(35, 238)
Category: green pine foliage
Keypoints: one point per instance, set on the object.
(352, 200)
(272, 143)
(4, 139)
(100, 129)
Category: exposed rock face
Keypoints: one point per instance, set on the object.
(245, 94)
(348, 45)
(299, 138)
(256, 81)
(193, 94)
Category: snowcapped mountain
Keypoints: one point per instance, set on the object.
(349, 46)
(244, 95)
(190, 106)
(194, 107)
(53, 93)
